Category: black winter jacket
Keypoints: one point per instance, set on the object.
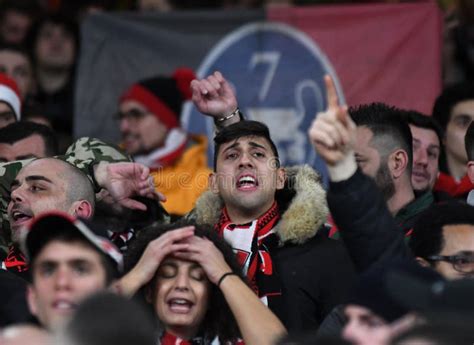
(369, 231)
(315, 272)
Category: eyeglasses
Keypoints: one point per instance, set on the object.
(131, 115)
(463, 263)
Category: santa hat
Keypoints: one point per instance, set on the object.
(163, 96)
(10, 94)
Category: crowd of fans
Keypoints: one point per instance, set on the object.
(145, 244)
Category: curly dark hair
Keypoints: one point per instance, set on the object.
(219, 320)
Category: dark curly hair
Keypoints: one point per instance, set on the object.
(219, 320)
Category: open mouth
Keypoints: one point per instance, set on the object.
(20, 216)
(180, 305)
(247, 182)
(64, 306)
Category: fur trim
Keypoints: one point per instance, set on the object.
(208, 208)
(302, 203)
(307, 210)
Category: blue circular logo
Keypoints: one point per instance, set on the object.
(277, 73)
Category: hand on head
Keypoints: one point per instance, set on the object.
(169, 243)
(332, 131)
(213, 96)
(207, 255)
(181, 244)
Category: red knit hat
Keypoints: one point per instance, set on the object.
(163, 96)
(10, 94)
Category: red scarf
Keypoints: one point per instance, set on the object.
(446, 183)
(15, 261)
(171, 339)
(253, 243)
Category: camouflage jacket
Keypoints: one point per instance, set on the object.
(84, 154)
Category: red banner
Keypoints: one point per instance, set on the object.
(381, 52)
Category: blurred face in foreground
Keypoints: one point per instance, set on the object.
(363, 327)
(63, 274)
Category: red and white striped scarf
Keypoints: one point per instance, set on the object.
(253, 243)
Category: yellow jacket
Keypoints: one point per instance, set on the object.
(184, 181)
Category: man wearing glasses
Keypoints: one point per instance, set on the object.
(443, 238)
(149, 120)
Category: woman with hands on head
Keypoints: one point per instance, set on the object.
(190, 277)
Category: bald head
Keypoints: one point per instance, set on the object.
(79, 187)
(48, 184)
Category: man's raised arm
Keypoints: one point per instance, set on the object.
(213, 96)
(368, 229)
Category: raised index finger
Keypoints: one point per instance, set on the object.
(332, 98)
(343, 116)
